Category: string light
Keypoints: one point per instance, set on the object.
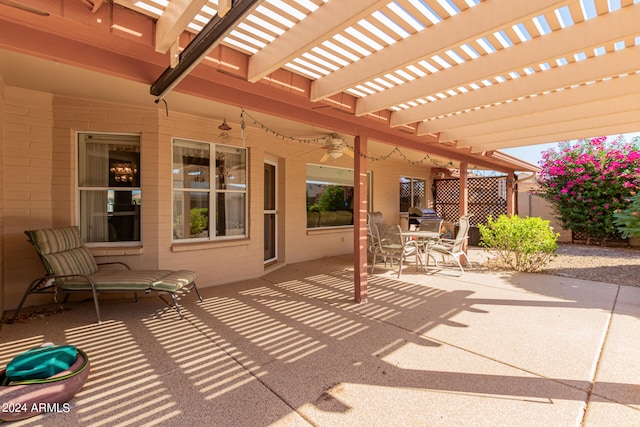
(267, 129)
(322, 139)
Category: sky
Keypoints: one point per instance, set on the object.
(533, 153)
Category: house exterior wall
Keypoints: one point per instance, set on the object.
(27, 169)
(39, 152)
(2, 139)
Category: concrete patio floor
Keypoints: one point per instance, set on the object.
(293, 349)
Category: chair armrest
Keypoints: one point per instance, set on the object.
(446, 241)
(115, 263)
(450, 242)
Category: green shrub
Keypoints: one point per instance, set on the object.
(521, 244)
(198, 220)
(332, 198)
(628, 220)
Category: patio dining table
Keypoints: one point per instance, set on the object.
(424, 239)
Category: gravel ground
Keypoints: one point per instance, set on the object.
(620, 266)
(612, 265)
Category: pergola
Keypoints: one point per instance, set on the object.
(459, 79)
(480, 75)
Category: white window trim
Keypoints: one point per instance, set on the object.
(415, 178)
(212, 238)
(76, 165)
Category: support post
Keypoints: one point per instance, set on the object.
(511, 194)
(464, 202)
(360, 219)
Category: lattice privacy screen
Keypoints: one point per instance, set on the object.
(582, 237)
(487, 196)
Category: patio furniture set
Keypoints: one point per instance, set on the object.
(389, 243)
(70, 266)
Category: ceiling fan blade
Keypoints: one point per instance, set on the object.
(324, 158)
(24, 7)
(348, 152)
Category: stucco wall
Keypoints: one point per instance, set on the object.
(28, 174)
(531, 205)
(2, 139)
(39, 173)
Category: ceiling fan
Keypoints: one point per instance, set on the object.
(335, 147)
(24, 7)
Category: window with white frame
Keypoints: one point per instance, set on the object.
(109, 187)
(209, 191)
(413, 193)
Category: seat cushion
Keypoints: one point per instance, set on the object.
(175, 281)
(117, 280)
(74, 261)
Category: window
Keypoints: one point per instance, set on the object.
(109, 187)
(201, 188)
(329, 196)
(413, 193)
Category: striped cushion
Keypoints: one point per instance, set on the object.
(74, 261)
(117, 280)
(62, 251)
(175, 281)
(56, 240)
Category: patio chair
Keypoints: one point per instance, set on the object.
(452, 248)
(70, 267)
(433, 226)
(391, 245)
(373, 218)
(373, 245)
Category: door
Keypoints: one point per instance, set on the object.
(270, 213)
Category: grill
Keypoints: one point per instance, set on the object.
(417, 215)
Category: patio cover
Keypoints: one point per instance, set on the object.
(456, 78)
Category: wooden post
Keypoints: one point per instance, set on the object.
(511, 194)
(464, 188)
(464, 201)
(360, 219)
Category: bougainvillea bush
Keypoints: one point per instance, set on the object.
(590, 180)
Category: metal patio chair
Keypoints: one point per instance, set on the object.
(392, 245)
(451, 248)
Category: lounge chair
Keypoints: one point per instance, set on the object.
(70, 267)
